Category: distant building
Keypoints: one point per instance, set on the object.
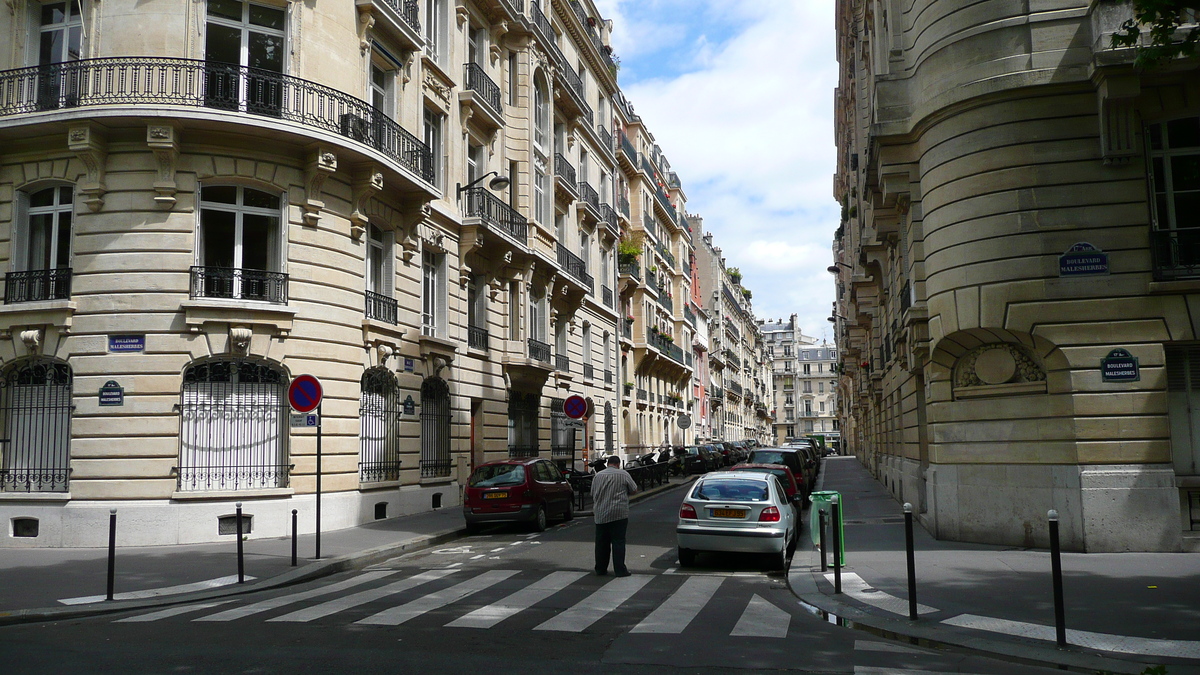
(805, 391)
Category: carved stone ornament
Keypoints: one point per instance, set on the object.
(434, 84)
(91, 149)
(33, 340)
(239, 340)
(163, 141)
(994, 364)
(321, 164)
(366, 185)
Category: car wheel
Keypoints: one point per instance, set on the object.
(791, 547)
(539, 519)
(779, 561)
(687, 557)
(569, 512)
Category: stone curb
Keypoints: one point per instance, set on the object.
(804, 585)
(307, 572)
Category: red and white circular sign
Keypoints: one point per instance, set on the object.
(305, 393)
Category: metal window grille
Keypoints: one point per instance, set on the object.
(379, 416)
(435, 428)
(609, 431)
(562, 436)
(35, 423)
(233, 433)
(522, 424)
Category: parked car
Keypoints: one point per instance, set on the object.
(793, 458)
(517, 490)
(737, 511)
(793, 486)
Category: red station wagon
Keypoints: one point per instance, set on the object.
(517, 490)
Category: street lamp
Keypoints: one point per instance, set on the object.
(497, 183)
(833, 269)
(836, 317)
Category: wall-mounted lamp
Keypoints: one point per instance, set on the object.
(833, 269)
(497, 183)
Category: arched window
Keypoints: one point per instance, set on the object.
(435, 427)
(233, 433)
(35, 423)
(378, 415)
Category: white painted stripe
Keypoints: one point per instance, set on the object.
(867, 646)
(762, 619)
(854, 587)
(170, 612)
(284, 600)
(398, 615)
(486, 617)
(677, 612)
(362, 597)
(157, 592)
(712, 573)
(875, 670)
(593, 608)
(1184, 649)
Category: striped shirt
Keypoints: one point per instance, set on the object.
(610, 495)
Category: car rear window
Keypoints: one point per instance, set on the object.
(731, 490)
(498, 475)
(692, 450)
(782, 473)
(768, 457)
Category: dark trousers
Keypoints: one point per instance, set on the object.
(611, 536)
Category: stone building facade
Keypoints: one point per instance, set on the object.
(192, 215)
(805, 391)
(1017, 271)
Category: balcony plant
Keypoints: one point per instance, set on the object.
(735, 274)
(629, 249)
(747, 294)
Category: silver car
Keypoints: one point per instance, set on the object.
(742, 512)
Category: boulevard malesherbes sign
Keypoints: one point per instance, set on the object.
(1120, 366)
(1082, 260)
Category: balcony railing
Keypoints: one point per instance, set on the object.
(623, 204)
(589, 196)
(239, 284)
(562, 362)
(482, 204)
(666, 255)
(643, 395)
(477, 338)
(589, 371)
(630, 268)
(539, 351)
(606, 139)
(666, 301)
(563, 169)
(652, 279)
(381, 308)
(732, 330)
(576, 267)
(36, 285)
(409, 11)
(607, 296)
(649, 225)
(610, 219)
(627, 329)
(689, 315)
(734, 387)
(522, 451)
(628, 149)
(477, 80)
(158, 82)
(541, 22)
(1176, 253)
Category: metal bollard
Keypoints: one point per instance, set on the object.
(112, 551)
(1060, 621)
(837, 546)
(293, 537)
(912, 564)
(824, 551)
(241, 566)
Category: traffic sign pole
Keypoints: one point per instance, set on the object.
(318, 481)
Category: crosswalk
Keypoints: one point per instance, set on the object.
(563, 601)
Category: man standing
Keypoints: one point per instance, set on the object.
(610, 498)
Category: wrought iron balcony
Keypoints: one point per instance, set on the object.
(381, 308)
(623, 204)
(539, 351)
(563, 169)
(433, 468)
(643, 395)
(606, 139)
(575, 267)
(610, 220)
(627, 329)
(482, 204)
(239, 284)
(159, 82)
(607, 295)
(627, 147)
(477, 80)
(541, 22)
(666, 301)
(631, 269)
(374, 472)
(477, 338)
(652, 279)
(409, 10)
(35, 285)
(689, 315)
(562, 362)
(650, 225)
(589, 197)
(1176, 253)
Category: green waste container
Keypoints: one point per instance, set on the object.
(822, 500)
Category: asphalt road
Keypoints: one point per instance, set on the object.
(499, 602)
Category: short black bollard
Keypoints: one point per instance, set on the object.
(1060, 620)
(912, 563)
(241, 566)
(112, 551)
(293, 537)
(837, 546)
(824, 551)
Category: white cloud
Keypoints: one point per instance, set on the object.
(749, 129)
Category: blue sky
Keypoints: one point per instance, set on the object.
(739, 94)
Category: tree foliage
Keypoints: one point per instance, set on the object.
(1161, 20)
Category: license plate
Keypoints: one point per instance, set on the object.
(728, 513)
(495, 495)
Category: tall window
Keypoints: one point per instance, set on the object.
(1175, 175)
(514, 311)
(587, 348)
(378, 415)
(435, 427)
(35, 418)
(583, 166)
(541, 115)
(433, 294)
(512, 78)
(243, 35)
(232, 430)
(383, 91)
(60, 41)
(43, 247)
(380, 275)
(540, 191)
(585, 250)
(238, 248)
(522, 424)
(434, 27)
(433, 139)
(475, 162)
(537, 314)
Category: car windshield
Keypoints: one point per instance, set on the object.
(731, 490)
(498, 475)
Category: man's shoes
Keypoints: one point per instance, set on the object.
(622, 573)
(602, 573)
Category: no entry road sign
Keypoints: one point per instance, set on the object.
(575, 406)
(304, 393)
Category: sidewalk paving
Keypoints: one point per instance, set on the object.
(1124, 611)
(34, 583)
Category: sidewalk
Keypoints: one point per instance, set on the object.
(34, 583)
(1124, 611)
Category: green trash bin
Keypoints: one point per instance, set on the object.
(822, 501)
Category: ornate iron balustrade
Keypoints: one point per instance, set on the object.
(628, 149)
(716, 392)
(539, 351)
(607, 294)
(381, 308)
(409, 10)
(648, 166)
(734, 387)
(562, 362)
(1176, 253)
(732, 360)
(610, 220)
(730, 297)
(477, 338)
(477, 80)
(156, 81)
(36, 285)
(523, 451)
(563, 169)
(374, 472)
(589, 371)
(576, 85)
(623, 204)
(627, 390)
(433, 468)
(905, 297)
(732, 330)
(627, 329)
(576, 267)
(689, 315)
(649, 225)
(652, 279)
(482, 204)
(666, 254)
(630, 268)
(589, 196)
(541, 22)
(606, 138)
(642, 395)
(666, 301)
(665, 201)
(239, 284)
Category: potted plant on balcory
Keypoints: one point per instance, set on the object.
(735, 274)
(629, 249)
